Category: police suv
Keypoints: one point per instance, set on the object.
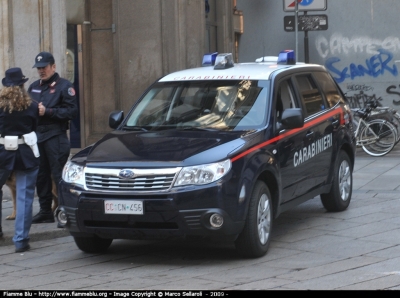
(219, 150)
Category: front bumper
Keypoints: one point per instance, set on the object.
(180, 214)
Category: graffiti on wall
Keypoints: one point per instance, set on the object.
(339, 45)
(375, 66)
(362, 94)
(379, 53)
(359, 87)
(364, 58)
(392, 89)
(360, 99)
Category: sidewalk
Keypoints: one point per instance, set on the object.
(371, 175)
(38, 232)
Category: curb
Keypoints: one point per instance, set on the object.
(35, 236)
(44, 231)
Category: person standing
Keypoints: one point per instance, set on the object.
(57, 106)
(19, 116)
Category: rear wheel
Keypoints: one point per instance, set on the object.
(385, 133)
(254, 240)
(92, 244)
(338, 198)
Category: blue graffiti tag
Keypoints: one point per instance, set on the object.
(375, 66)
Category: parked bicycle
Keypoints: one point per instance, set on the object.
(377, 137)
(389, 114)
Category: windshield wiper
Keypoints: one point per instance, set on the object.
(196, 128)
(134, 128)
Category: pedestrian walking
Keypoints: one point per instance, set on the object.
(57, 106)
(19, 116)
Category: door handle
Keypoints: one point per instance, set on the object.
(309, 134)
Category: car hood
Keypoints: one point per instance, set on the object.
(175, 147)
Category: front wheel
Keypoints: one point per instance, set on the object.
(92, 244)
(338, 198)
(253, 241)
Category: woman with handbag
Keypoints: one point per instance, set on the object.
(19, 116)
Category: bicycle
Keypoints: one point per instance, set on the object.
(377, 137)
(389, 114)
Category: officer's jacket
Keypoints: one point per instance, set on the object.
(18, 123)
(58, 96)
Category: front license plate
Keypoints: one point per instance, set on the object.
(123, 207)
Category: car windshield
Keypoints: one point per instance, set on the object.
(210, 105)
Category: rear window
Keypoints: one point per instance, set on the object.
(329, 88)
(310, 95)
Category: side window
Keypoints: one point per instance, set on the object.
(284, 99)
(329, 88)
(310, 94)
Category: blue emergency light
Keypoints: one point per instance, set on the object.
(209, 59)
(287, 57)
(224, 61)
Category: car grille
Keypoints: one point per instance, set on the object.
(144, 180)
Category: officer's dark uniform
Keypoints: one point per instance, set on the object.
(22, 161)
(58, 96)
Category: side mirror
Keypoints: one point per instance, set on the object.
(292, 118)
(115, 119)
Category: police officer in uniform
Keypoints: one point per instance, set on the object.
(18, 149)
(57, 106)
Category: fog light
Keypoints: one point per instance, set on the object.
(216, 220)
(62, 217)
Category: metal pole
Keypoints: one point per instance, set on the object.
(296, 12)
(306, 51)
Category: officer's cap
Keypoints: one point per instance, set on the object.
(43, 59)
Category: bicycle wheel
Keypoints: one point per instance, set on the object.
(385, 139)
(385, 136)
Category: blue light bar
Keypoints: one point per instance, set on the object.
(209, 59)
(287, 57)
(224, 61)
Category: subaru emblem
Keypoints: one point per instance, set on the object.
(126, 174)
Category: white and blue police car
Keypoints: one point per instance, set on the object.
(216, 151)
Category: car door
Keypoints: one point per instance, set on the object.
(314, 156)
(289, 140)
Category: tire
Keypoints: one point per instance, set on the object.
(253, 241)
(338, 198)
(387, 130)
(387, 137)
(92, 244)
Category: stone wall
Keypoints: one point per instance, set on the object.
(29, 27)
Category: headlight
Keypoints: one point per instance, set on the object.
(203, 174)
(73, 173)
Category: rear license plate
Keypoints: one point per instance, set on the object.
(123, 207)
